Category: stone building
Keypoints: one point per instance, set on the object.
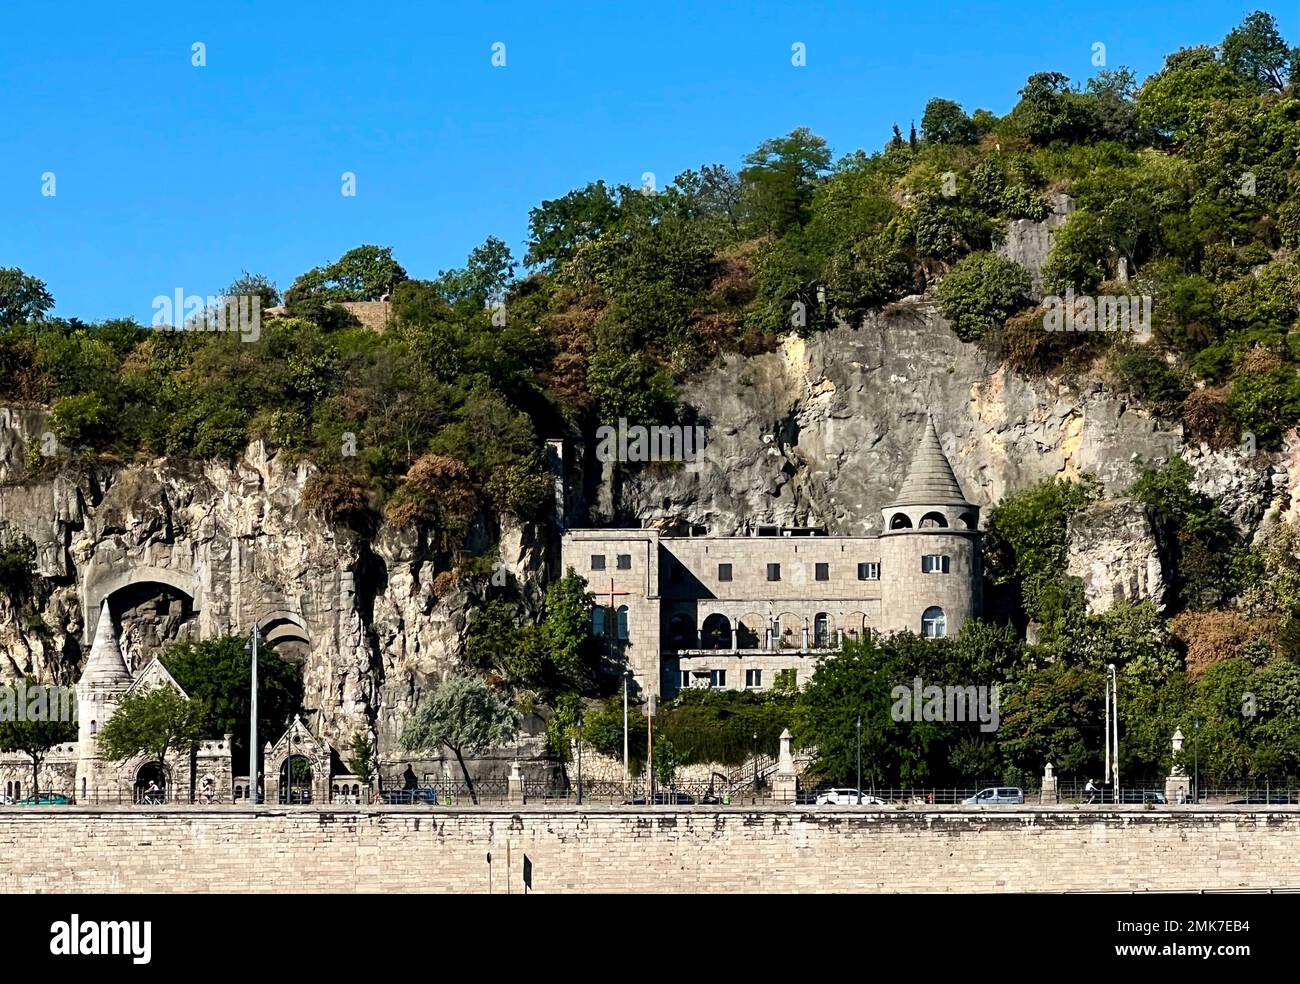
(298, 767)
(734, 612)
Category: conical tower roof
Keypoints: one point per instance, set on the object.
(105, 668)
(930, 480)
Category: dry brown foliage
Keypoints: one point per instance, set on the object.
(1209, 637)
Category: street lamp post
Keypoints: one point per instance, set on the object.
(252, 721)
(1114, 696)
(1196, 762)
(859, 730)
(627, 676)
(580, 756)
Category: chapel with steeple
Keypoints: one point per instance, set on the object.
(297, 769)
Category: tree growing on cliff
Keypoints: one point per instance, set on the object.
(153, 722)
(981, 292)
(464, 715)
(35, 737)
(216, 673)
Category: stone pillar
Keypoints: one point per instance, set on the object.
(805, 633)
(785, 784)
(1048, 794)
(515, 785)
(555, 464)
(1178, 785)
(270, 779)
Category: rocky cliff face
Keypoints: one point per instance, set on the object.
(817, 433)
(196, 551)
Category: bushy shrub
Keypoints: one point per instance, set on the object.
(981, 292)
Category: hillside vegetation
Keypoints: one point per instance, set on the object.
(1185, 188)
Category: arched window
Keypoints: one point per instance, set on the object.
(598, 620)
(821, 630)
(933, 519)
(622, 623)
(934, 623)
(716, 633)
(969, 521)
(900, 521)
(94, 728)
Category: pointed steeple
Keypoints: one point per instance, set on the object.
(930, 480)
(105, 668)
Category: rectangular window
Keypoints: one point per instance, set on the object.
(774, 572)
(597, 562)
(717, 678)
(753, 678)
(869, 572)
(934, 564)
(724, 572)
(624, 562)
(823, 572)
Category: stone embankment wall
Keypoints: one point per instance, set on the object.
(418, 849)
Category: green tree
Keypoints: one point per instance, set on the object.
(1256, 52)
(17, 565)
(1025, 542)
(361, 756)
(780, 178)
(981, 292)
(153, 722)
(254, 284)
(485, 276)
(944, 121)
(364, 273)
(216, 673)
(559, 225)
(1201, 545)
(1050, 111)
(35, 737)
(858, 681)
(1052, 715)
(574, 653)
(464, 715)
(23, 298)
(1266, 403)
(1174, 100)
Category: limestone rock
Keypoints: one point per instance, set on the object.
(1029, 243)
(1114, 548)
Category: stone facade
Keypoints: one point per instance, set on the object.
(714, 850)
(79, 770)
(733, 612)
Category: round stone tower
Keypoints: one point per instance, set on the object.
(104, 680)
(930, 548)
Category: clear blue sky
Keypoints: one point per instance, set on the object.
(174, 176)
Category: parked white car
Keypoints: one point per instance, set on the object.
(847, 797)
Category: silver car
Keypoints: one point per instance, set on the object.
(996, 795)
